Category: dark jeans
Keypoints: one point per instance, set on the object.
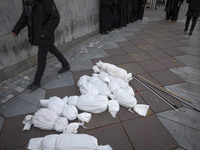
(194, 21)
(42, 57)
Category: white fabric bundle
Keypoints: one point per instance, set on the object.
(54, 103)
(70, 112)
(113, 107)
(45, 119)
(72, 100)
(66, 142)
(48, 120)
(115, 71)
(92, 103)
(85, 117)
(100, 85)
(86, 87)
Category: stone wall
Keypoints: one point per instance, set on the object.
(79, 19)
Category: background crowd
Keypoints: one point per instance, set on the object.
(118, 13)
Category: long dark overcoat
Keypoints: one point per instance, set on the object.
(43, 20)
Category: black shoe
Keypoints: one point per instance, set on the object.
(190, 33)
(64, 69)
(33, 86)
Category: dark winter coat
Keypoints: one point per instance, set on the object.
(193, 8)
(105, 15)
(43, 20)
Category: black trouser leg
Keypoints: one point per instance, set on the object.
(194, 21)
(167, 15)
(53, 50)
(42, 56)
(187, 22)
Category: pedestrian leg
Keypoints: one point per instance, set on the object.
(42, 56)
(194, 21)
(187, 23)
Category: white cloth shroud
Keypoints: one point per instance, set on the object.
(47, 120)
(66, 142)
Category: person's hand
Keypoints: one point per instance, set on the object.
(14, 34)
(42, 36)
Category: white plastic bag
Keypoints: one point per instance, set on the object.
(70, 112)
(86, 87)
(55, 104)
(100, 85)
(85, 117)
(115, 71)
(66, 142)
(113, 107)
(72, 100)
(92, 103)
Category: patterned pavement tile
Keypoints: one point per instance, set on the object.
(133, 68)
(103, 59)
(12, 135)
(122, 59)
(174, 51)
(171, 62)
(140, 56)
(147, 47)
(114, 135)
(149, 133)
(166, 77)
(158, 54)
(151, 65)
(124, 44)
(115, 51)
(131, 49)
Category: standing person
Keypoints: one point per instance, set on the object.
(172, 9)
(177, 5)
(192, 13)
(141, 9)
(42, 18)
(105, 16)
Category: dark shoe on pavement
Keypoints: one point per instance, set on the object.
(64, 69)
(190, 33)
(33, 86)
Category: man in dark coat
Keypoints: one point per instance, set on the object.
(141, 9)
(192, 13)
(105, 16)
(172, 9)
(42, 18)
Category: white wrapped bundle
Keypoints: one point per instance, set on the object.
(70, 112)
(54, 103)
(85, 117)
(92, 103)
(44, 119)
(72, 100)
(100, 85)
(113, 107)
(85, 87)
(66, 142)
(115, 71)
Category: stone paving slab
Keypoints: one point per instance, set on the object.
(149, 133)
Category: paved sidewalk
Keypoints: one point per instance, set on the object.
(158, 50)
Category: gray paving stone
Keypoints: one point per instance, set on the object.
(192, 61)
(187, 137)
(141, 56)
(109, 45)
(189, 74)
(194, 99)
(1, 123)
(17, 106)
(94, 54)
(192, 50)
(188, 88)
(185, 116)
(33, 97)
(80, 63)
(133, 68)
(58, 80)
